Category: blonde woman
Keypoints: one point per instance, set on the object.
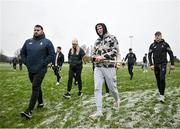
(75, 56)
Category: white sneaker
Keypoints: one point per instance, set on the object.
(161, 99)
(57, 83)
(60, 79)
(116, 104)
(106, 95)
(96, 115)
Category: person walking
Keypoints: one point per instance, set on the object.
(20, 62)
(105, 48)
(131, 57)
(14, 62)
(159, 49)
(36, 54)
(57, 64)
(75, 57)
(145, 63)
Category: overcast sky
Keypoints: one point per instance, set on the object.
(65, 19)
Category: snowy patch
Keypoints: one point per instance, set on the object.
(137, 109)
(49, 120)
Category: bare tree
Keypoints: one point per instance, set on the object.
(17, 52)
(84, 47)
(87, 49)
(91, 50)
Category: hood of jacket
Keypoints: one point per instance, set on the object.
(104, 29)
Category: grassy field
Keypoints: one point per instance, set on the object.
(139, 101)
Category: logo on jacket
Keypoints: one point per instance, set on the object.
(30, 42)
(41, 43)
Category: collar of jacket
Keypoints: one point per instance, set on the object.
(162, 40)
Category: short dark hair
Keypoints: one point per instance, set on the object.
(59, 47)
(157, 33)
(130, 49)
(39, 26)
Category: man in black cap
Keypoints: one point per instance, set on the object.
(159, 49)
(131, 61)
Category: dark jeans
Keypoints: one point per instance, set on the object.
(72, 71)
(56, 72)
(75, 79)
(20, 66)
(36, 80)
(14, 66)
(130, 69)
(160, 73)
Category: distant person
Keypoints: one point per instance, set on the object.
(145, 63)
(57, 64)
(10, 62)
(75, 57)
(123, 63)
(36, 54)
(14, 62)
(131, 57)
(159, 49)
(20, 63)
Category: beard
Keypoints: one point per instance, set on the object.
(36, 35)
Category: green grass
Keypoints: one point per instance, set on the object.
(139, 101)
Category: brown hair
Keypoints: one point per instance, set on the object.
(157, 33)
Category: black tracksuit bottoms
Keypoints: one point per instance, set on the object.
(36, 80)
(130, 69)
(160, 73)
(56, 72)
(72, 71)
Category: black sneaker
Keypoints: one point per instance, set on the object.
(80, 93)
(26, 114)
(131, 77)
(41, 105)
(67, 95)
